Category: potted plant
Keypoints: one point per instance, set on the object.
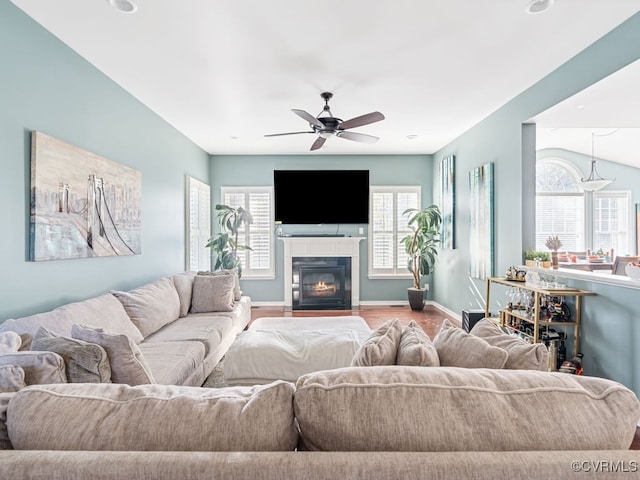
(530, 257)
(421, 247)
(553, 243)
(225, 244)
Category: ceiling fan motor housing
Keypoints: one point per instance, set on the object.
(330, 126)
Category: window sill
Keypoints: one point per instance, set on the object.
(595, 277)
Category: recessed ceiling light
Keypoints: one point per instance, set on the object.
(580, 106)
(124, 6)
(412, 136)
(538, 6)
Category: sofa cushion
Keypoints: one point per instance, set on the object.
(184, 286)
(206, 328)
(521, 355)
(153, 418)
(104, 311)
(5, 443)
(399, 408)
(39, 367)
(11, 378)
(9, 342)
(416, 348)
(84, 362)
(151, 306)
(237, 292)
(212, 293)
(381, 347)
(126, 361)
(172, 363)
(457, 348)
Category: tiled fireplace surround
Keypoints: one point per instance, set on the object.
(295, 247)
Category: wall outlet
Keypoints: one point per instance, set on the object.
(426, 287)
(361, 231)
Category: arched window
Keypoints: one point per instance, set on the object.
(560, 204)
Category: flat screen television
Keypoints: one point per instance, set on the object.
(309, 197)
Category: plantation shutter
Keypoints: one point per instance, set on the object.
(198, 256)
(258, 262)
(388, 226)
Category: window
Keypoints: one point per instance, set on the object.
(611, 225)
(598, 220)
(258, 262)
(198, 256)
(387, 258)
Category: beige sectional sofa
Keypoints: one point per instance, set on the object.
(384, 422)
(149, 334)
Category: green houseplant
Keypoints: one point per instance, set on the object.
(421, 247)
(226, 244)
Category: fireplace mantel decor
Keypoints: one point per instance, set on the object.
(321, 247)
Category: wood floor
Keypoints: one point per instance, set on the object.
(430, 320)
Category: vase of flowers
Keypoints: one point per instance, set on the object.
(554, 243)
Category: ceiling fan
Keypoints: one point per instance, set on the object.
(327, 126)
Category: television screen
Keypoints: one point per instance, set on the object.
(321, 196)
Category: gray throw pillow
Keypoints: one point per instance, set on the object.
(457, 348)
(39, 367)
(381, 348)
(126, 360)
(237, 293)
(11, 378)
(84, 362)
(522, 355)
(416, 348)
(212, 293)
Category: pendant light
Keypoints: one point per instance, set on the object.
(594, 181)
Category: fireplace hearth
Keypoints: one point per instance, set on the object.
(321, 283)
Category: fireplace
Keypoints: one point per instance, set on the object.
(321, 283)
(321, 251)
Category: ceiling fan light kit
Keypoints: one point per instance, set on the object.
(325, 125)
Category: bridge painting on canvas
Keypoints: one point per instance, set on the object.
(82, 205)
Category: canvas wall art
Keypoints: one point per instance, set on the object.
(447, 201)
(82, 205)
(481, 228)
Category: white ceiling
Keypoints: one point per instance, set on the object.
(225, 73)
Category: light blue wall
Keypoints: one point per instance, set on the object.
(611, 330)
(46, 86)
(383, 170)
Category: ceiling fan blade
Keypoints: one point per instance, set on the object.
(280, 134)
(357, 137)
(318, 143)
(308, 117)
(362, 120)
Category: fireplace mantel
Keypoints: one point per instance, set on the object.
(322, 247)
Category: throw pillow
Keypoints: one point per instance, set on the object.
(457, 348)
(9, 342)
(39, 367)
(126, 360)
(212, 293)
(381, 347)
(237, 293)
(11, 378)
(521, 355)
(84, 362)
(184, 286)
(416, 348)
(151, 306)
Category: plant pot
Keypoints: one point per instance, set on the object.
(416, 298)
(546, 264)
(530, 263)
(554, 259)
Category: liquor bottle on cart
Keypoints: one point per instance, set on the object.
(573, 366)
